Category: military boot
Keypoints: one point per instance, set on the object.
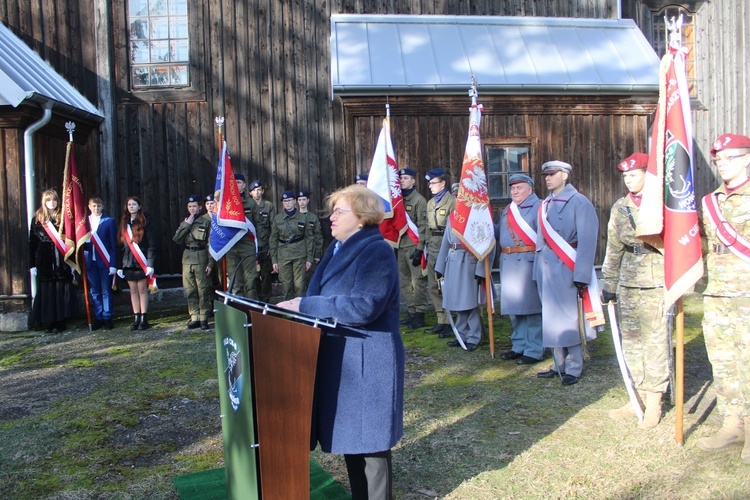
(417, 321)
(652, 415)
(408, 319)
(623, 413)
(745, 456)
(731, 432)
(136, 323)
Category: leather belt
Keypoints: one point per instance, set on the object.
(456, 246)
(293, 239)
(527, 248)
(640, 249)
(438, 233)
(194, 249)
(720, 249)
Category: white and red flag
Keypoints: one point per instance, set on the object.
(75, 222)
(384, 181)
(667, 215)
(471, 221)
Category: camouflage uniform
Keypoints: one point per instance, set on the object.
(636, 273)
(413, 290)
(438, 214)
(247, 273)
(726, 307)
(314, 232)
(266, 213)
(291, 252)
(195, 259)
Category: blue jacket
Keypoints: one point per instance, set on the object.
(359, 387)
(107, 232)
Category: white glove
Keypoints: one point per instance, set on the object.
(149, 271)
(33, 271)
(121, 273)
(112, 271)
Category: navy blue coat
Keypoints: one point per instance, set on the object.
(107, 232)
(359, 387)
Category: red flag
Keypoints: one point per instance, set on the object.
(384, 180)
(667, 215)
(231, 211)
(471, 221)
(75, 223)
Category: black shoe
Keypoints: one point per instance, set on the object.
(551, 373)
(417, 322)
(204, 325)
(472, 347)
(527, 360)
(446, 333)
(144, 323)
(108, 324)
(508, 355)
(136, 323)
(437, 328)
(96, 325)
(408, 319)
(193, 324)
(452, 343)
(569, 379)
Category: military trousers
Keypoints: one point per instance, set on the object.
(413, 282)
(526, 337)
(244, 272)
(293, 278)
(264, 280)
(469, 325)
(726, 330)
(198, 290)
(435, 296)
(644, 337)
(568, 360)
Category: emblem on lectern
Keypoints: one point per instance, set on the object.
(233, 372)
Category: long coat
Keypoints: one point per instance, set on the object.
(461, 291)
(518, 294)
(359, 387)
(573, 217)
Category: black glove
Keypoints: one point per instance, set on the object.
(581, 287)
(608, 297)
(416, 257)
(438, 275)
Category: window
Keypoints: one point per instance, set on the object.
(503, 159)
(159, 43)
(660, 38)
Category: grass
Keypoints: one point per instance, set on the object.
(120, 414)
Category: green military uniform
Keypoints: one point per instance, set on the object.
(413, 289)
(195, 259)
(245, 271)
(312, 225)
(266, 213)
(635, 272)
(291, 252)
(438, 214)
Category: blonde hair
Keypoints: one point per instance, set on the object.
(366, 205)
(42, 215)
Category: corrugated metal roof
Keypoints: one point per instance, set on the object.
(26, 76)
(399, 54)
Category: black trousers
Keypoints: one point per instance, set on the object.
(370, 475)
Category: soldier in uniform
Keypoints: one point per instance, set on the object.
(413, 289)
(439, 209)
(634, 272)
(213, 276)
(241, 259)
(266, 213)
(292, 254)
(726, 301)
(313, 230)
(572, 217)
(194, 232)
(519, 298)
(361, 179)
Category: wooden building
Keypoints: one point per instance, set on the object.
(266, 66)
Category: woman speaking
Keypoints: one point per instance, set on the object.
(359, 388)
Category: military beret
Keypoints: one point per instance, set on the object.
(556, 166)
(517, 178)
(361, 177)
(209, 197)
(239, 177)
(286, 195)
(730, 141)
(303, 194)
(194, 198)
(633, 162)
(435, 172)
(255, 185)
(407, 171)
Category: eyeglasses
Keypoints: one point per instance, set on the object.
(726, 159)
(338, 211)
(434, 182)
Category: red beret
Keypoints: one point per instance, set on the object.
(729, 141)
(633, 162)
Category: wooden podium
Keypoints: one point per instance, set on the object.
(266, 416)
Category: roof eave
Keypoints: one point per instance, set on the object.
(531, 89)
(38, 100)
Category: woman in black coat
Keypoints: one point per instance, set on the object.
(138, 238)
(55, 300)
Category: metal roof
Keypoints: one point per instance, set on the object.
(24, 76)
(409, 54)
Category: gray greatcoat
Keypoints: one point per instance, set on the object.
(573, 217)
(459, 267)
(518, 294)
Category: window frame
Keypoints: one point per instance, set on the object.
(505, 143)
(659, 37)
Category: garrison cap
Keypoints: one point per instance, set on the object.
(730, 141)
(435, 172)
(209, 197)
(556, 166)
(303, 194)
(194, 198)
(517, 178)
(286, 195)
(239, 177)
(407, 171)
(633, 162)
(361, 177)
(255, 185)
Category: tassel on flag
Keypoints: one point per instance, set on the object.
(75, 222)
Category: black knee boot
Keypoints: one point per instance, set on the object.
(136, 323)
(144, 322)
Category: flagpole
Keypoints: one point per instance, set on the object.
(224, 278)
